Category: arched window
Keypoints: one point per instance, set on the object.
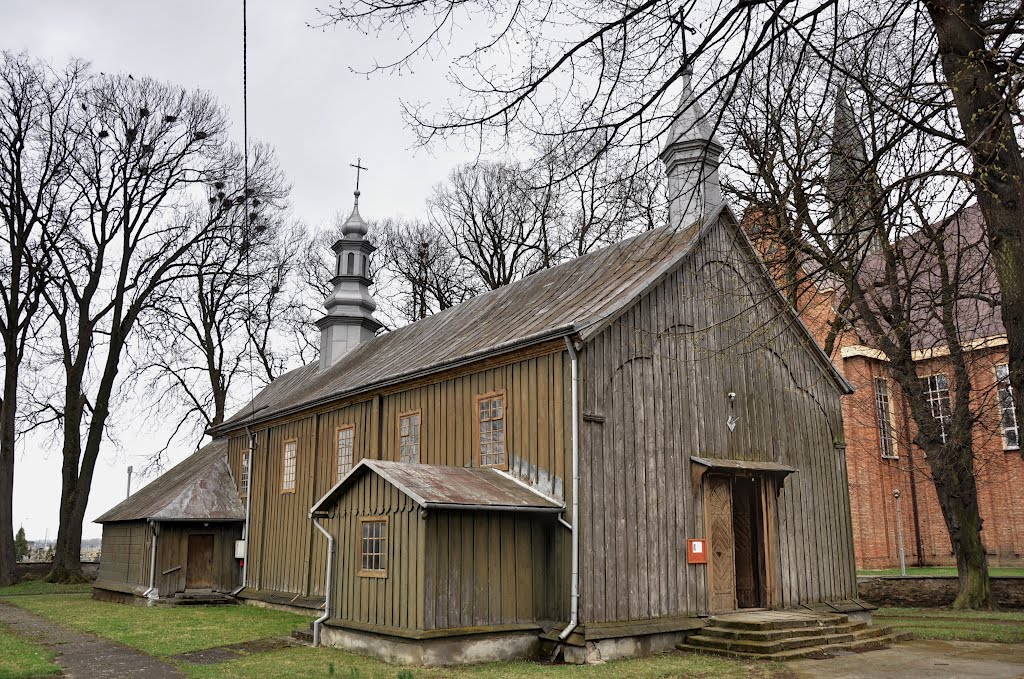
(351, 263)
(365, 272)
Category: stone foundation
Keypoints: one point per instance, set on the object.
(460, 650)
(602, 650)
(933, 592)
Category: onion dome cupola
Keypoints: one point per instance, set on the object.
(349, 321)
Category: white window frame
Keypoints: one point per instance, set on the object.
(886, 420)
(345, 449)
(1008, 421)
(937, 397)
(243, 475)
(290, 465)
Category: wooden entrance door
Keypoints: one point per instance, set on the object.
(722, 563)
(746, 526)
(199, 566)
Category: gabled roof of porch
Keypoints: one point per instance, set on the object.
(434, 486)
(199, 488)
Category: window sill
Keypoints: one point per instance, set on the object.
(379, 575)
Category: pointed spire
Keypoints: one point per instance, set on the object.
(852, 188)
(691, 155)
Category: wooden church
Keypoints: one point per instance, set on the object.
(596, 457)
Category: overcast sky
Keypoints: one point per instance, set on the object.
(304, 100)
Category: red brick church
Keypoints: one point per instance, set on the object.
(878, 428)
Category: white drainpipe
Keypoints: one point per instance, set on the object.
(327, 587)
(248, 511)
(574, 586)
(152, 563)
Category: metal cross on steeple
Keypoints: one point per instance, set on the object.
(679, 19)
(359, 168)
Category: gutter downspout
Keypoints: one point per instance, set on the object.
(248, 510)
(330, 579)
(574, 585)
(152, 562)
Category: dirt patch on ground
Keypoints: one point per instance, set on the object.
(212, 656)
(85, 656)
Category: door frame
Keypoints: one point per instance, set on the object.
(767, 489)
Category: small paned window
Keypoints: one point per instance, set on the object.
(373, 549)
(883, 412)
(346, 439)
(1007, 411)
(491, 428)
(409, 436)
(243, 480)
(936, 391)
(288, 476)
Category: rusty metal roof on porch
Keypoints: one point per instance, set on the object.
(743, 465)
(434, 486)
(199, 488)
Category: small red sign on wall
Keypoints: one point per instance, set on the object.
(696, 550)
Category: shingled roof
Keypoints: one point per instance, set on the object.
(579, 297)
(199, 488)
(434, 486)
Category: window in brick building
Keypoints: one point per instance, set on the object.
(883, 412)
(1007, 411)
(936, 391)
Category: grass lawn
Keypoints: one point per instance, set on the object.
(162, 631)
(325, 662)
(19, 657)
(947, 624)
(40, 587)
(941, 571)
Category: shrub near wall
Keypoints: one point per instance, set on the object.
(933, 592)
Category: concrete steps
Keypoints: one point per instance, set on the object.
(784, 635)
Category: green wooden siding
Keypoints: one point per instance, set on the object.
(125, 554)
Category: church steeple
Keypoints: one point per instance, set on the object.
(853, 188)
(349, 320)
(691, 155)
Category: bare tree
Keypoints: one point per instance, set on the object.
(495, 222)
(419, 269)
(207, 331)
(839, 211)
(34, 135)
(609, 71)
(144, 152)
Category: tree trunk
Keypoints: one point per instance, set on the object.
(983, 108)
(8, 411)
(67, 555)
(958, 497)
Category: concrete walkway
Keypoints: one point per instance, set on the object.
(932, 659)
(84, 656)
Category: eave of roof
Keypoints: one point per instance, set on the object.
(445, 487)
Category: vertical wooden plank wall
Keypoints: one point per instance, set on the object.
(287, 554)
(655, 393)
(395, 601)
(172, 553)
(488, 568)
(124, 554)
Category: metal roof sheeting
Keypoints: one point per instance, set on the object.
(579, 296)
(434, 486)
(199, 488)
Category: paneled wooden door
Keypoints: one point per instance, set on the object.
(722, 543)
(199, 564)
